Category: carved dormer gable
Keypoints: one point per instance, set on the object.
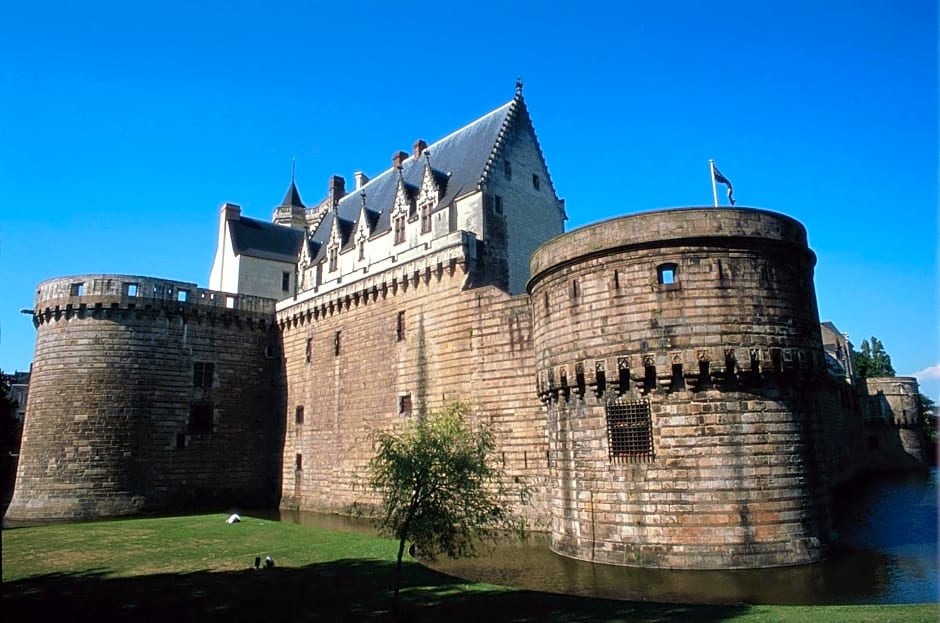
(405, 199)
(431, 190)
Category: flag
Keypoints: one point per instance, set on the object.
(724, 180)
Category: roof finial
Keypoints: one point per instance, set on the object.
(518, 86)
(427, 156)
(363, 196)
(293, 168)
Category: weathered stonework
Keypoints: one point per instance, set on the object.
(893, 423)
(724, 350)
(108, 429)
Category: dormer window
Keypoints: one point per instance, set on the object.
(399, 229)
(425, 218)
(333, 254)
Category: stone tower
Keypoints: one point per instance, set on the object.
(148, 395)
(676, 355)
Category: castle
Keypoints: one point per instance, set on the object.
(659, 383)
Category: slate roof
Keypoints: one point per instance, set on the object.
(464, 157)
(292, 198)
(265, 240)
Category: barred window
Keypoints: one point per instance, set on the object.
(629, 431)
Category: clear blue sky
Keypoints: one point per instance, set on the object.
(125, 125)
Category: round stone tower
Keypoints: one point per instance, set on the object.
(677, 354)
(147, 394)
(893, 423)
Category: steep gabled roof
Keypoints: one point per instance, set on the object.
(265, 240)
(459, 160)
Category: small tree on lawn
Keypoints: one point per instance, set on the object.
(441, 485)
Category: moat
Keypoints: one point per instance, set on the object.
(886, 552)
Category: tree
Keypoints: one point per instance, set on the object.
(928, 414)
(441, 486)
(873, 361)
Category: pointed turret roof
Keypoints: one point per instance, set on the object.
(292, 198)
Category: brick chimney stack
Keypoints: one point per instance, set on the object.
(337, 189)
(398, 158)
(419, 147)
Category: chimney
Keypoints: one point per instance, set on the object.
(398, 158)
(231, 211)
(361, 179)
(419, 147)
(337, 189)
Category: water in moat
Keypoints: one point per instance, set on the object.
(885, 553)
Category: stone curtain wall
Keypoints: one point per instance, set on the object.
(709, 317)
(410, 340)
(108, 429)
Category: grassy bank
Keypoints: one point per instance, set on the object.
(199, 568)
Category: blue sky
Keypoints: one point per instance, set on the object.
(125, 125)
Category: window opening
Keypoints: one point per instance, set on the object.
(200, 417)
(498, 204)
(285, 281)
(309, 352)
(629, 431)
(299, 462)
(425, 218)
(334, 259)
(132, 289)
(362, 250)
(336, 341)
(182, 295)
(400, 327)
(203, 374)
(404, 404)
(666, 274)
(535, 181)
(77, 289)
(400, 229)
(507, 169)
(299, 414)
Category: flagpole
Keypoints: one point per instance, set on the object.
(711, 166)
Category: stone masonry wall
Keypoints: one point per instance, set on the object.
(110, 428)
(705, 321)
(893, 423)
(385, 349)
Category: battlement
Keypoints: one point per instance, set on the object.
(665, 228)
(96, 293)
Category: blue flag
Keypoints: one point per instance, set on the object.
(724, 180)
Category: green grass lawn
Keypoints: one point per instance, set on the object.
(199, 568)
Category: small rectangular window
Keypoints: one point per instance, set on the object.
(498, 204)
(666, 274)
(404, 404)
(400, 327)
(200, 417)
(203, 374)
(285, 281)
(298, 462)
(535, 181)
(507, 169)
(299, 414)
(309, 352)
(336, 342)
(230, 302)
(425, 218)
(77, 289)
(132, 289)
(400, 229)
(182, 296)
(629, 431)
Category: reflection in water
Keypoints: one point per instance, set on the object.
(886, 552)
